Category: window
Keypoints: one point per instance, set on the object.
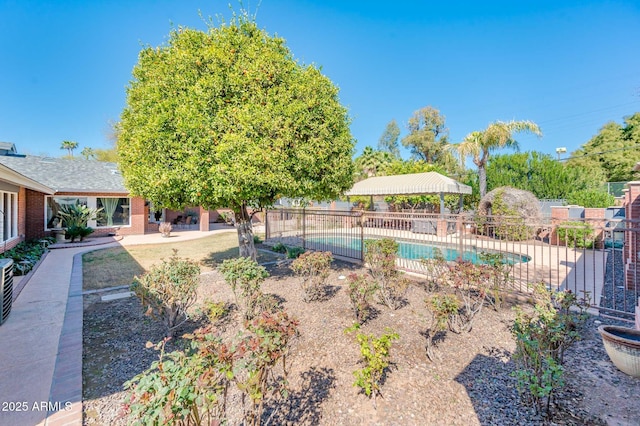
(53, 206)
(115, 211)
(8, 215)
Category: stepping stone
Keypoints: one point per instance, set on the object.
(116, 296)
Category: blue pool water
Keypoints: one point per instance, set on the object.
(407, 250)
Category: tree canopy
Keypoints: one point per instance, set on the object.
(389, 140)
(228, 118)
(540, 174)
(372, 162)
(613, 151)
(428, 139)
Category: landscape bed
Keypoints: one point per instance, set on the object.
(470, 383)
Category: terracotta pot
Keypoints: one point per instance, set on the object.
(623, 347)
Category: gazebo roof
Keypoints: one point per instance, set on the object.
(416, 183)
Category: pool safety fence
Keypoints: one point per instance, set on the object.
(594, 258)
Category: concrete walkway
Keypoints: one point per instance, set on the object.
(41, 341)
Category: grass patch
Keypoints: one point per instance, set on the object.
(118, 265)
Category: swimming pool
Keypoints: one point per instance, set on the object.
(413, 251)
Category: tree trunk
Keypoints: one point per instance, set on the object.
(482, 178)
(245, 231)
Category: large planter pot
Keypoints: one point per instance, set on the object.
(623, 347)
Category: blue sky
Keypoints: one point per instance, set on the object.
(570, 66)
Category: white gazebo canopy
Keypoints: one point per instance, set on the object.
(411, 184)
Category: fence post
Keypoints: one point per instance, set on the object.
(304, 228)
(361, 222)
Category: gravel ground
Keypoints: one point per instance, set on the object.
(471, 383)
(615, 295)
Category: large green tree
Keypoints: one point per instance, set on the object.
(614, 150)
(479, 145)
(540, 174)
(428, 139)
(389, 140)
(228, 118)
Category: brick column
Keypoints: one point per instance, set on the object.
(559, 214)
(632, 240)
(595, 218)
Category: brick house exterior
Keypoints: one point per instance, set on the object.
(31, 188)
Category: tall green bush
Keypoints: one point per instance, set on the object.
(591, 198)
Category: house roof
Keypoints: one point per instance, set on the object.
(68, 175)
(15, 178)
(416, 183)
(8, 147)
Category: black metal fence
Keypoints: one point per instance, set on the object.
(581, 255)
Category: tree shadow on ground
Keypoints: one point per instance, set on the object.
(304, 406)
(491, 375)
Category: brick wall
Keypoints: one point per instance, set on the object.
(632, 242)
(558, 215)
(34, 214)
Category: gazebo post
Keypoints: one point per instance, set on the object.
(442, 204)
(371, 203)
(460, 204)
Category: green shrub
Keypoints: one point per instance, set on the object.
(376, 358)
(26, 254)
(500, 279)
(313, 268)
(279, 248)
(245, 277)
(576, 234)
(262, 351)
(542, 338)
(188, 388)
(76, 231)
(214, 311)
(294, 252)
(167, 290)
(361, 290)
(591, 198)
(191, 387)
(442, 308)
(436, 268)
(257, 239)
(381, 256)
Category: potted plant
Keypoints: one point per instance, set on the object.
(165, 229)
(623, 347)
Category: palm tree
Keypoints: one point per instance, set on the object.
(498, 135)
(371, 162)
(69, 146)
